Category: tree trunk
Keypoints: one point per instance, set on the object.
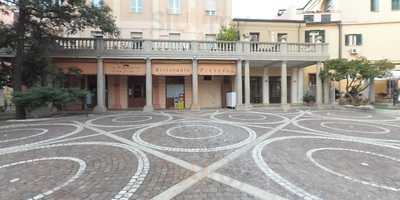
(19, 57)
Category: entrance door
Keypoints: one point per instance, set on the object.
(175, 91)
(136, 91)
(275, 89)
(255, 90)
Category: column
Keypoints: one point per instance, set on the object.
(238, 84)
(195, 86)
(149, 87)
(294, 87)
(319, 84)
(284, 85)
(300, 84)
(247, 84)
(265, 86)
(371, 91)
(326, 87)
(101, 90)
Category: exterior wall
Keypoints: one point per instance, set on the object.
(117, 92)
(331, 36)
(210, 92)
(156, 23)
(359, 11)
(269, 30)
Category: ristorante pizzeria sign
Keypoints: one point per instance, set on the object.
(217, 69)
(170, 69)
(124, 69)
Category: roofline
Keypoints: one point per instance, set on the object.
(331, 22)
(267, 20)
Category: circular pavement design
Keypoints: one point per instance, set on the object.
(128, 120)
(194, 136)
(354, 115)
(31, 134)
(36, 172)
(314, 167)
(255, 118)
(365, 130)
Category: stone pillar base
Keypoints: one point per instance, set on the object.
(100, 109)
(195, 108)
(148, 109)
(285, 107)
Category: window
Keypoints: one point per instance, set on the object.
(211, 37)
(314, 36)
(207, 78)
(174, 36)
(309, 18)
(282, 37)
(374, 5)
(254, 37)
(137, 6)
(174, 7)
(353, 40)
(395, 4)
(137, 35)
(328, 5)
(211, 7)
(325, 18)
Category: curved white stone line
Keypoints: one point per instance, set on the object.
(42, 131)
(328, 134)
(384, 130)
(77, 130)
(82, 167)
(220, 132)
(283, 118)
(312, 151)
(263, 117)
(118, 119)
(93, 124)
(136, 137)
(135, 181)
(260, 162)
(370, 120)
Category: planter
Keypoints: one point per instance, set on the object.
(40, 112)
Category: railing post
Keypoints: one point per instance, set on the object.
(246, 47)
(99, 45)
(194, 47)
(284, 49)
(147, 45)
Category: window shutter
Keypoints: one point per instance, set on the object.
(322, 34)
(307, 36)
(347, 40)
(359, 40)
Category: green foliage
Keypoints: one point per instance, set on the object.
(308, 98)
(228, 33)
(41, 96)
(355, 72)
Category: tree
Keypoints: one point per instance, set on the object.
(37, 25)
(228, 33)
(359, 74)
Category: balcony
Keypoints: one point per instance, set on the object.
(181, 49)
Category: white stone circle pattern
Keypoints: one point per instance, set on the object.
(82, 167)
(128, 120)
(250, 117)
(170, 132)
(143, 166)
(354, 126)
(137, 138)
(276, 177)
(312, 151)
(41, 132)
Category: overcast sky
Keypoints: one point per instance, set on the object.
(264, 9)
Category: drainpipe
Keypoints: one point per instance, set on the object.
(340, 26)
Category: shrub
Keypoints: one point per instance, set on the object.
(308, 98)
(41, 96)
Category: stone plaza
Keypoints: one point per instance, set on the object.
(260, 153)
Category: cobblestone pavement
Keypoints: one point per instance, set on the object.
(261, 153)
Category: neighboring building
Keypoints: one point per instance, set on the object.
(356, 28)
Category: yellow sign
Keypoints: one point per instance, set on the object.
(217, 69)
(137, 69)
(172, 69)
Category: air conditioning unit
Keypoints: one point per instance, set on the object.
(354, 51)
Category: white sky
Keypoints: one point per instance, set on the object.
(263, 9)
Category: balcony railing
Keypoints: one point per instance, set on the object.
(132, 48)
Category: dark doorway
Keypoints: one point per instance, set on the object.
(275, 89)
(136, 91)
(92, 87)
(256, 90)
(175, 91)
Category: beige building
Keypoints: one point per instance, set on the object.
(353, 29)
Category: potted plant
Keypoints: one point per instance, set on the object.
(309, 99)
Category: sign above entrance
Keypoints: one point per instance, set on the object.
(85, 68)
(172, 69)
(135, 69)
(218, 69)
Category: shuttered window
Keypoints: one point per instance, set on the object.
(313, 36)
(395, 4)
(137, 6)
(353, 40)
(374, 5)
(174, 7)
